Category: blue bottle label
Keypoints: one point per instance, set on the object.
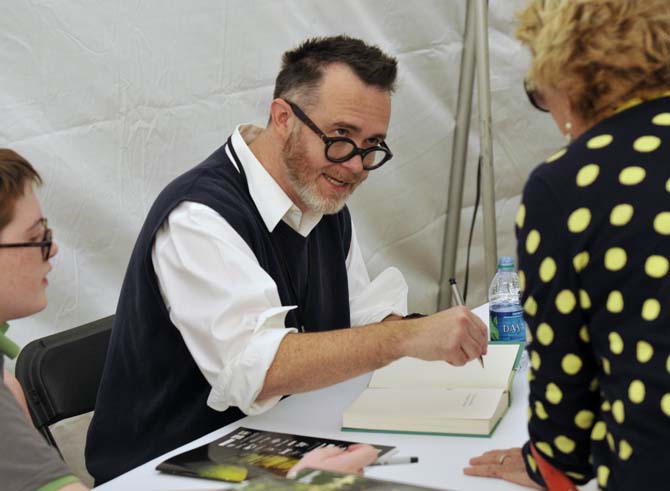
(507, 326)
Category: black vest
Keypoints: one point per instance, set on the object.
(152, 396)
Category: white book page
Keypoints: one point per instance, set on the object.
(415, 373)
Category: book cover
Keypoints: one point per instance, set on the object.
(246, 453)
(317, 480)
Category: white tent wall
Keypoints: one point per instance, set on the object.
(112, 99)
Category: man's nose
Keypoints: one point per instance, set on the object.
(355, 164)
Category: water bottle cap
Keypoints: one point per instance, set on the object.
(506, 263)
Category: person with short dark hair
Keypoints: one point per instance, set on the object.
(247, 271)
(27, 462)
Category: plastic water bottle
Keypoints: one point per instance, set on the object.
(505, 312)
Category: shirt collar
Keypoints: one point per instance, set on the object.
(7, 346)
(272, 202)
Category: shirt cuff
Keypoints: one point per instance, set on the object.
(383, 296)
(56, 484)
(242, 378)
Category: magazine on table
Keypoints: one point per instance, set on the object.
(246, 453)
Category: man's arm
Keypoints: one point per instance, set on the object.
(309, 361)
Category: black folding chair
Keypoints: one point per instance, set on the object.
(60, 374)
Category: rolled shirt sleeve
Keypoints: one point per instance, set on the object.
(228, 310)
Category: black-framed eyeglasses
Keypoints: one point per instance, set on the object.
(340, 148)
(44, 244)
(534, 96)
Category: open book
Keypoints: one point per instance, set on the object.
(417, 396)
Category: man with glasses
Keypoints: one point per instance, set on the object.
(247, 271)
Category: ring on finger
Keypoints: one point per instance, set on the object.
(502, 458)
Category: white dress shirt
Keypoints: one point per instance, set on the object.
(226, 306)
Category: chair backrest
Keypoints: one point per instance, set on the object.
(60, 374)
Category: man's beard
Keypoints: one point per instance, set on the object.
(304, 181)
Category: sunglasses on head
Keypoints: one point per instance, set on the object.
(534, 96)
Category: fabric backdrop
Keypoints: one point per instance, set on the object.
(111, 100)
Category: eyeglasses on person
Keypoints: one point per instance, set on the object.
(340, 149)
(534, 96)
(44, 244)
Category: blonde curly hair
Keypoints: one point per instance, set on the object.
(599, 53)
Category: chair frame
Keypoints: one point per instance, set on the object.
(60, 373)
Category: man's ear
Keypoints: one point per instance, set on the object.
(281, 117)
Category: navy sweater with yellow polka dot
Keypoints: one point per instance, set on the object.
(593, 235)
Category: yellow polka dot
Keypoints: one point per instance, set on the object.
(531, 375)
(540, 411)
(544, 334)
(532, 241)
(522, 280)
(632, 175)
(593, 386)
(625, 450)
(584, 300)
(605, 406)
(615, 302)
(647, 143)
(615, 258)
(571, 364)
(584, 419)
(598, 431)
(667, 185)
(656, 266)
(603, 475)
(545, 448)
(599, 141)
(662, 223)
(587, 175)
(565, 301)
(564, 444)
(584, 334)
(651, 308)
(580, 261)
(621, 214)
(576, 475)
(579, 220)
(553, 394)
(556, 156)
(531, 462)
(644, 351)
(662, 119)
(610, 441)
(667, 364)
(535, 360)
(606, 366)
(616, 343)
(547, 269)
(665, 404)
(530, 306)
(636, 391)
(521, 216)
(618, 412)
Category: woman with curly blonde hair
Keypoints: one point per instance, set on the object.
(593, 233)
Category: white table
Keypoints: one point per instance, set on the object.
(319, 413)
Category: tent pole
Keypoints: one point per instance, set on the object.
(485, 138)
(459, 151)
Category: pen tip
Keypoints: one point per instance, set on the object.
(452, 281)
(414, 460)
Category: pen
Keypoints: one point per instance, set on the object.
(459, 301)
(397, 460)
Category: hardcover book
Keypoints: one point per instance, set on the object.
(416, 396)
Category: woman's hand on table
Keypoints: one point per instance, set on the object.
(504, 464)
(349, 461)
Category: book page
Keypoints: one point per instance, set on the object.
(415, 373)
